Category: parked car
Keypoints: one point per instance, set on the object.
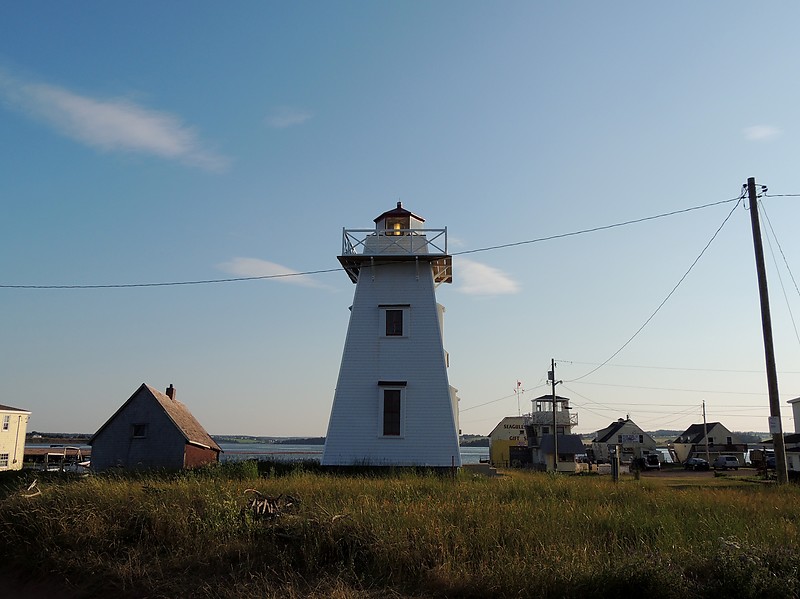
(771, 462)
(651, 462)
(696, 464)
(724, 462)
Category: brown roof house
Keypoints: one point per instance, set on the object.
(152, 430)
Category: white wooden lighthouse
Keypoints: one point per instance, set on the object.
(393, 404)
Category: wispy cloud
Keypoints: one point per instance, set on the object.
(481, 279)
(255, 267)
(282, 117)
(116, 124)
(761, 133)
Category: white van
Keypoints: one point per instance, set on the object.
(724, 462)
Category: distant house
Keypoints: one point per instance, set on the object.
(13, 425)
(720, 441)
(633, 442)
(152, 430)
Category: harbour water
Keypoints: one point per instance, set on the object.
(293, 453)
(233, 452)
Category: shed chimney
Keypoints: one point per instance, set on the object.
(171, 391)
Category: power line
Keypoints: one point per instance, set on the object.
(314, 272)
(172, 283)
(669, 295)
(461, 410)
(671, 389)
(677, 368)
(777, 270)
(595, 229)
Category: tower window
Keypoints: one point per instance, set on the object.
(394, 323)
(394, 320)
(391, 408)
(391, 412)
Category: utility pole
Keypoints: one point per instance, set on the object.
(705, 431)
(551, 376)
(769, 352)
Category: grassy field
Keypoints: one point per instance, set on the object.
(404, 535)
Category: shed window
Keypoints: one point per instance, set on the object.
(139, 431)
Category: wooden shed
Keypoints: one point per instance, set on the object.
(152, 430)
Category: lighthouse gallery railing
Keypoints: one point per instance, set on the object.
(396, 242)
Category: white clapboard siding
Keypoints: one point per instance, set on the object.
(430, 431)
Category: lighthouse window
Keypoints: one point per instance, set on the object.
(391, 406)
(394, 323)
(394, 320)
(391, 412)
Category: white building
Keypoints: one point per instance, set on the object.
(624, 436)
(393, 404)
(792, 442)
(708, 439)
(13, 426)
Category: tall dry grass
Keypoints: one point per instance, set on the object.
(526, 535)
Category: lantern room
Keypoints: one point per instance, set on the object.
(398, 221)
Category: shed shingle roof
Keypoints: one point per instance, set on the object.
(183, 419)
(180, 415)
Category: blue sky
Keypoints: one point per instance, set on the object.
(149, 142)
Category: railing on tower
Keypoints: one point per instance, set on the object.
(371, 247)
(398, 241)
(546, 418)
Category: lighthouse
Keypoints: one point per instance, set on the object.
(393, 404)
